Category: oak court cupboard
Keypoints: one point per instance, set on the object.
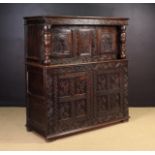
(76, 73)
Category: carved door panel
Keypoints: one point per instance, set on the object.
(62, 41)
(67, 39)
(72, 100)
(86, 43)
(109, 88)
(107, 38)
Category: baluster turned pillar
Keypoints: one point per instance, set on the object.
(47, 42)
(123, 42)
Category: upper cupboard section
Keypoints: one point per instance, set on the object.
(65, 42)
(84, 41)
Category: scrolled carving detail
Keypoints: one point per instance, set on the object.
(123, 42)
(47, 44)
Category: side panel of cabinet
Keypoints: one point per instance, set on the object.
(33, 42)
(36, 101)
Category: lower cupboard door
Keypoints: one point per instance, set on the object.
(72, 100)
(110, 87)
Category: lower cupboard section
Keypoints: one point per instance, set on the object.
(76, 98)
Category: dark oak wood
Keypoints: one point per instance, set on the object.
(76, 73)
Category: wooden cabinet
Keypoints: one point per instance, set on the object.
(76, 73)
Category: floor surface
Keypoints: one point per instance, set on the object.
(137, 134)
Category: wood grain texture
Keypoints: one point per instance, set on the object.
(76, 80)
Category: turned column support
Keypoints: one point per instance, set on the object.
(123, 42)
(47, 42)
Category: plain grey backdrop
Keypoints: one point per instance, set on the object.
(140, 46)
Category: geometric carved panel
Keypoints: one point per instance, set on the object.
(101, 82)
(109, 86)
(102, 105)
(80, 85)
(81, 108)
(114, 102)
(85, 42)
(108, 40)
(72, 84)
(114, 80)
(65, 110)
(62, 43)
(64, 87)
(72, 100)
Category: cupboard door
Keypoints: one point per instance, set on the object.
(62, 41)
(110, 91)
(86, 41)
(107, 41)
(72, 98)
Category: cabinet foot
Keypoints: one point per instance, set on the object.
(28, 128)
